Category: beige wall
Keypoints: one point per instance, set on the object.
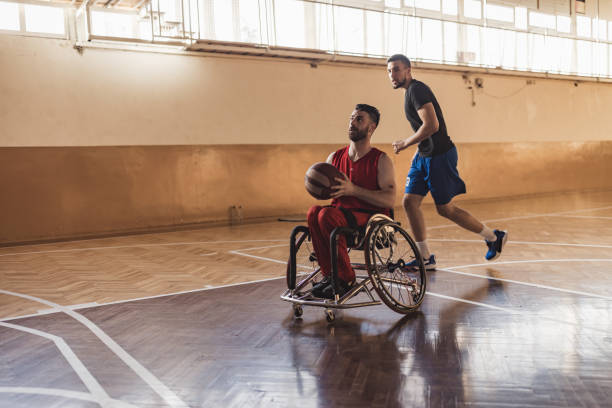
(117, 141)
(52, 96)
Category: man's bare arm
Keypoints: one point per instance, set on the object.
(430, 125)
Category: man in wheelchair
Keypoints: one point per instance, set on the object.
(368, 188)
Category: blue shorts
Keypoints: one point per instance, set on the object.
(437, 174)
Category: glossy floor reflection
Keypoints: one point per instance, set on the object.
(533, 329)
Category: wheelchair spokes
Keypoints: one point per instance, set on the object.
(389, 250)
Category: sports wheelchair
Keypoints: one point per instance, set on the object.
(387, 251)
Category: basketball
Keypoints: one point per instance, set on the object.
(319, 179)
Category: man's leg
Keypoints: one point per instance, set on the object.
(412, 205)
(462, 218)
(329, 218)
(445, 184)
(495, 239)
(320, 242)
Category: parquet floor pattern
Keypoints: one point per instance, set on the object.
(193, 318)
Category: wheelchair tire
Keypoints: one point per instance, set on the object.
(388, 249)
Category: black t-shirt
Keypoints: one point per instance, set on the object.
(417, 95)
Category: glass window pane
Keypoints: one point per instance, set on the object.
(583, 26)
(600, 29)
(520, 18)
(112, 24)
(584, 58)
(600, 59)
(522, 50)
(472, 9)
(223, 15)
(428, 4)
(289, 23)
(431, 40)
(374, 37)
(249, 22)
(564, 24)
(9, 16)
(349, 29)
(537, 52)
(324, 36)
(394, 29)
(44, 19)
(450, 41)
(450, 7)
(542, 20)
(500, 13)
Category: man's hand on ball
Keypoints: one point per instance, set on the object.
(344, 187)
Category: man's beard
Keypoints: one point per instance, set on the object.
(358, 135)
(399, 84)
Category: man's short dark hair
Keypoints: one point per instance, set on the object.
(399, 57)
(370, 110)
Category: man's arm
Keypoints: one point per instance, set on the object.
(430, 125)
(385, 197)
(330, 158)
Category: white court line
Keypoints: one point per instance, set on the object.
(514, 312)
(522, 217)
(97, 392)
(55, 392)
(140, 246)
(523, 242)
(535, 285)
(587, 216)
(160, 388)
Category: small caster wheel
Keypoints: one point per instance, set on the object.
(329, 315)
(297, 311)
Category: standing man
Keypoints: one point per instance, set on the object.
(434, 166)
(368, 188)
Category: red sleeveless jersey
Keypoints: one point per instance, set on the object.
(363, 173)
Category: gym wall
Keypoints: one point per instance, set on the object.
(113, 141)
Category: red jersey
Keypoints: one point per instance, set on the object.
(363, 173)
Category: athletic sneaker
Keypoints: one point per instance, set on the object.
(430, 264)
(343, 288)
(317, 288)
(495, 247)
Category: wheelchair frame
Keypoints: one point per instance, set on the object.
(378, 235)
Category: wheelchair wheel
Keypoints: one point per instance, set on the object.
(305, 260)
(388, 251)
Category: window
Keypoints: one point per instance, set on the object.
(542, 20)
(500, 13)
(600, 29)
(349, 29)
(583, 26)
(472, 9)
(44, 19)
(520, 18)
(374, 37)
(433, 5)
(112, 24)
(449, 7)
(564, 24)
(9, 16)
(289, 23)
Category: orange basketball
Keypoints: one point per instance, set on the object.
(319, 179)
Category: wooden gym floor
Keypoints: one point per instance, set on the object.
(193, 318)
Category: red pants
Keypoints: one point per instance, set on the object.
(321, 222)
